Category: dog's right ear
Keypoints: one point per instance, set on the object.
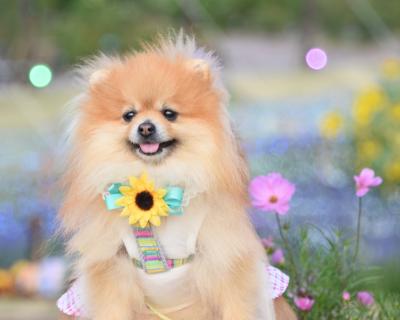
(96, 69)
(98, 76)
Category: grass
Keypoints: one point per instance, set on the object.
(325, 269)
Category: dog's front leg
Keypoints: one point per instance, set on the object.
(113, 290)
(229, 294)
(236, 299)
(283, 310)
(227, 274)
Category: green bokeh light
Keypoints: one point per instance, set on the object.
(40, 75)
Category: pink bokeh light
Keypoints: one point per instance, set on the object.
(316, 58)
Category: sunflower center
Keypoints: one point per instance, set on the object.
(273, 199)
(144, 200)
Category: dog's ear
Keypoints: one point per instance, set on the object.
(98, 76)
(95, 69)
(199, 66)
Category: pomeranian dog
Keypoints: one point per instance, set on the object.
(163, 112)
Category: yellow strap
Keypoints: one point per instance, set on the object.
(157, 313)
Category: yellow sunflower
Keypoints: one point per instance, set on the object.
(142, 203)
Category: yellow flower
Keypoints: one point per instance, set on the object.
(142, 203)
(331, 125)
(18, 266)
(369, 149)
(369, 102)
(392, 171)
(396, 142)
(395, 112)
(6, 281)
(391, 68)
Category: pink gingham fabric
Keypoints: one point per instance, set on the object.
(71, 302)
(279, 281)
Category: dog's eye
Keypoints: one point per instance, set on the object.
(169, 114)
(128, 116)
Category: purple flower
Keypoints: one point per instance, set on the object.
(267, 242)
(278, 257)
(346, 295)
(271, 193)
(365, 181)
(365, 298)
(304, 303)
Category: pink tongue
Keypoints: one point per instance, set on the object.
(149, 147)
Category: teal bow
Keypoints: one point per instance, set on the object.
(173, 198)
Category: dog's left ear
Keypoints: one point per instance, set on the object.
(199, 66)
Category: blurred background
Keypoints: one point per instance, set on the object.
(315, 88)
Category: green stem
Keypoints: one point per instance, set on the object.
(288, 250)
(358, 229)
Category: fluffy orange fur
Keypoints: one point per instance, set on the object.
(207, 161)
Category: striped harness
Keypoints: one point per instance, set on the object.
(152, 258)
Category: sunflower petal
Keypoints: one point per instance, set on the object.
(143, 177)
(123, 202)
(147, 183)
(150, 185)
(133, 181)
(155, 220)
(163, 214)
(133, 219)
(143, 222)
(125, 190)
(163, 211)
(161, 193)
(147, 215)
(125, 212)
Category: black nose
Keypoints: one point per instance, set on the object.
(146, 129)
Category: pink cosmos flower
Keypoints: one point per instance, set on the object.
(304, 303)
(267, 242)
(365, 181)
(271, 193)
(278, 257)
(365, 298)
(346, 295)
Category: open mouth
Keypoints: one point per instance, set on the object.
(151, 148)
